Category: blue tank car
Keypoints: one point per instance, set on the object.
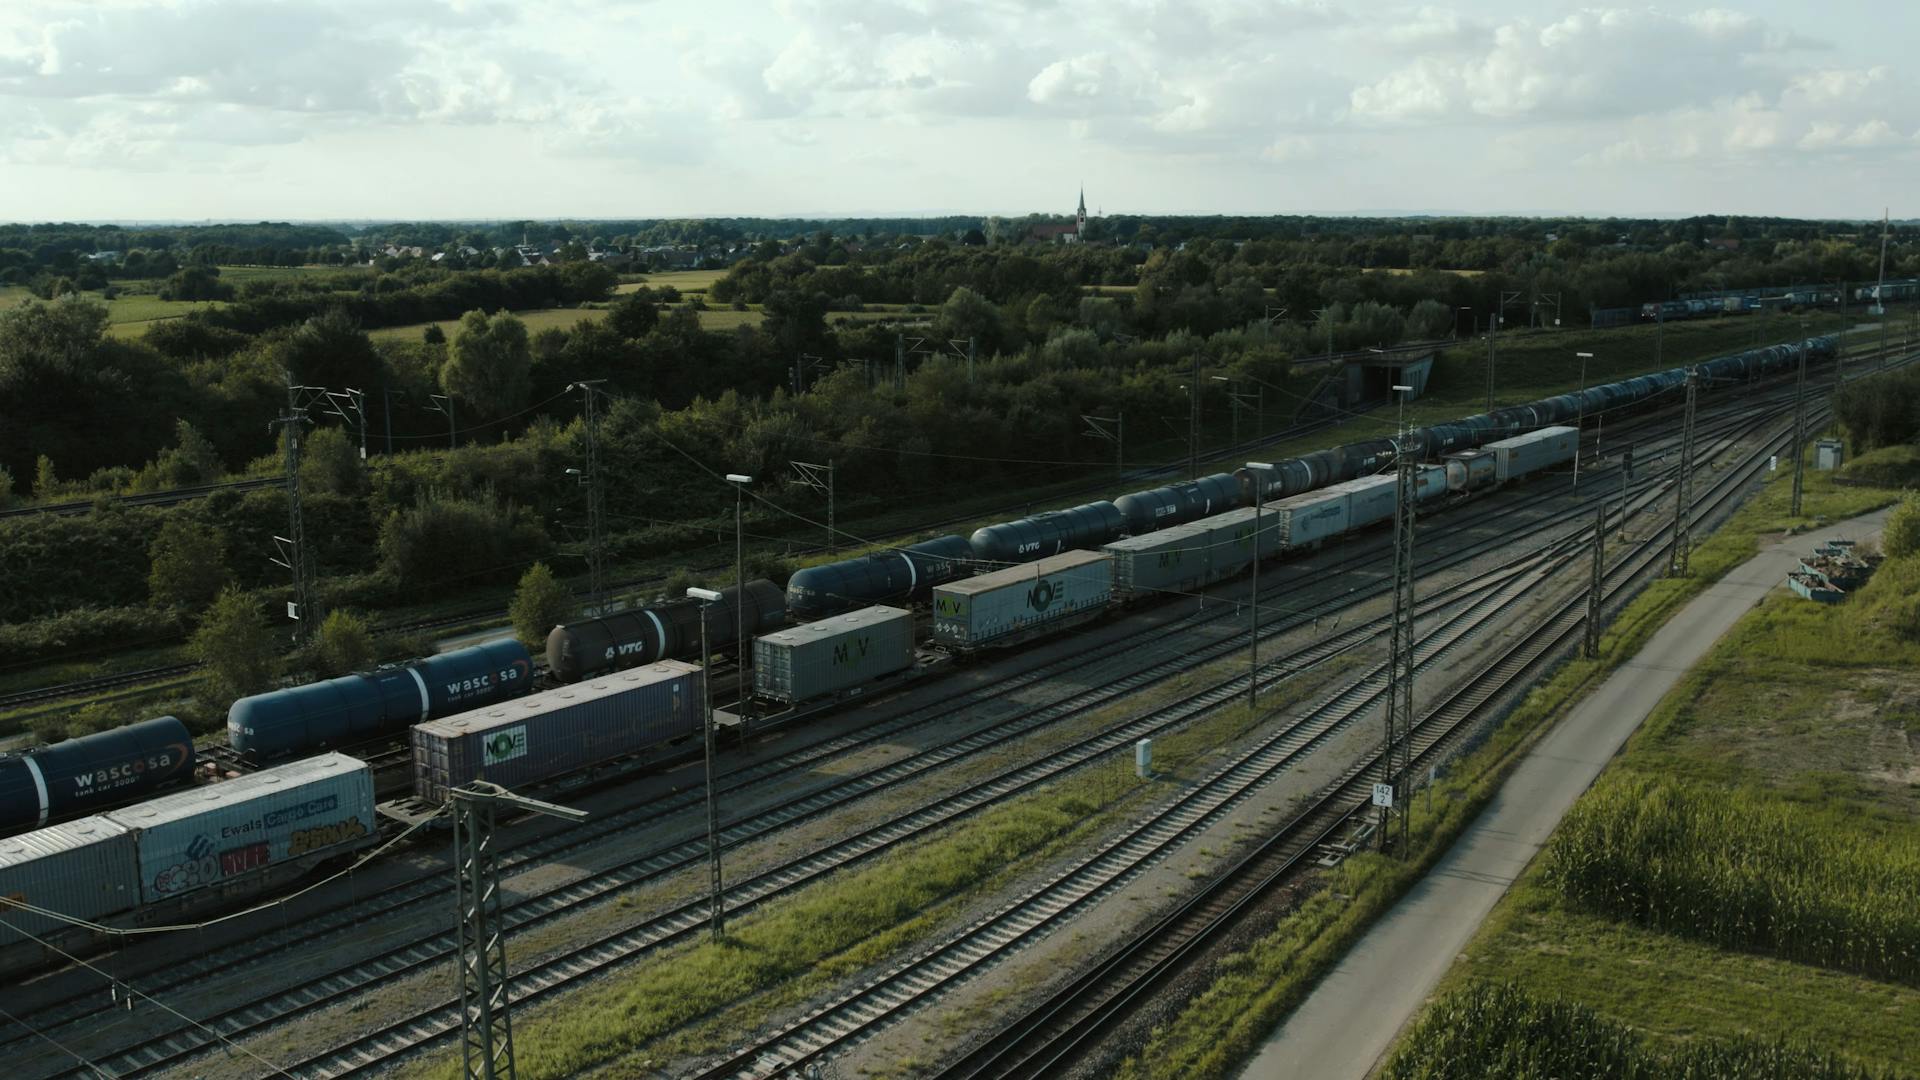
(92, 773)
(303, 719)
(909, 573)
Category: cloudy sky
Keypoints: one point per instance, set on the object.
(249, 109)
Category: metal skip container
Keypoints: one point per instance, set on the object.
(1008, 603)
(214, 834)
(1523, 454)
(819, 658)
(83, 869)
(544, 735)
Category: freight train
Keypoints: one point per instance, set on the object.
(469, 720)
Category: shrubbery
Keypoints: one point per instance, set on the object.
(1500, 1032)
(81, 631)
(459, 542)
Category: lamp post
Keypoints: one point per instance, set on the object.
(1581, 423)
(717, 904)
(1253, 604)
(743, 654)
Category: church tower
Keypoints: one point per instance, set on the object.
(1080, 217)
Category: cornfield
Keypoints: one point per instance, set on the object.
(1489, 1030)
(1744, 869)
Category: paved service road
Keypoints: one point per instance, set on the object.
(1347, 1024)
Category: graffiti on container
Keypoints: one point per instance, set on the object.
(287, 815)
(325, 836)
(236, 861)
(200, 867)
(848, 652)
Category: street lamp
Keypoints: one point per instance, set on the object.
(717, 905)
(1253, 603)
(1582, 421)
(743, 654)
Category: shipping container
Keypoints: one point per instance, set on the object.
(90, 773)
(217, 834)
(1172, 560)
(83, 869)
(544, 735)
(1524, 454)
(999, 607)
(1310, 517)
(1242, 523)
(815, 659)
(1370, 500)
(1229, 540)
(1470, 470)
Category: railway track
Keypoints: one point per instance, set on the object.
(154, 498)
(677, 924)
(1046, 1040)
(922, 980)
(227, 963)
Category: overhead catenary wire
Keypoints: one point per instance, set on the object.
(95, 1067)
(122, 984)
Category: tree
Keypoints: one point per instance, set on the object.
(967, 314)
(331, 350)
(1901, 535)
(330, 463)
(343, 645)
(635, 314)
(433, 335)
(487, 364)
(6, 487)
(45, 483)
(189, 563)
(540, 604)
(235, 645)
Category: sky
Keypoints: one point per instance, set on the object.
(483, 109)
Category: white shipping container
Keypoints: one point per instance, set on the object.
(983, 610)
(218, 833)
(1524, 454)
(819, 658)
(82, 869)
(1310, 517)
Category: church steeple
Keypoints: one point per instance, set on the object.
(1080, 215)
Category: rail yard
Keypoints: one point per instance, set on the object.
(831, 776)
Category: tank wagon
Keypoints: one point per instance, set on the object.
(351, 708)
(909, 573)
(90, 773)
(669, 631)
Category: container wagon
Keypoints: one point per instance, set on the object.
(818, 659)
(166, 859)
(353, 708)
(1470, 470)
(1524, 454)
(669, 631)
(1306, 519)
(1022, 602)
(545, 735)
(89, 774)
(1172, 560)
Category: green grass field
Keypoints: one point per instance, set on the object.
(687, 281)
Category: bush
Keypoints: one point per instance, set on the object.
(189, 564)
(343, 645)
(1901, 535)
(459, 541)
(237, 648)
(1501, 1031)
(540, 604)
(85, 630)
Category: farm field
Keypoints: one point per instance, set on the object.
(687, 281)
(1780, 778)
